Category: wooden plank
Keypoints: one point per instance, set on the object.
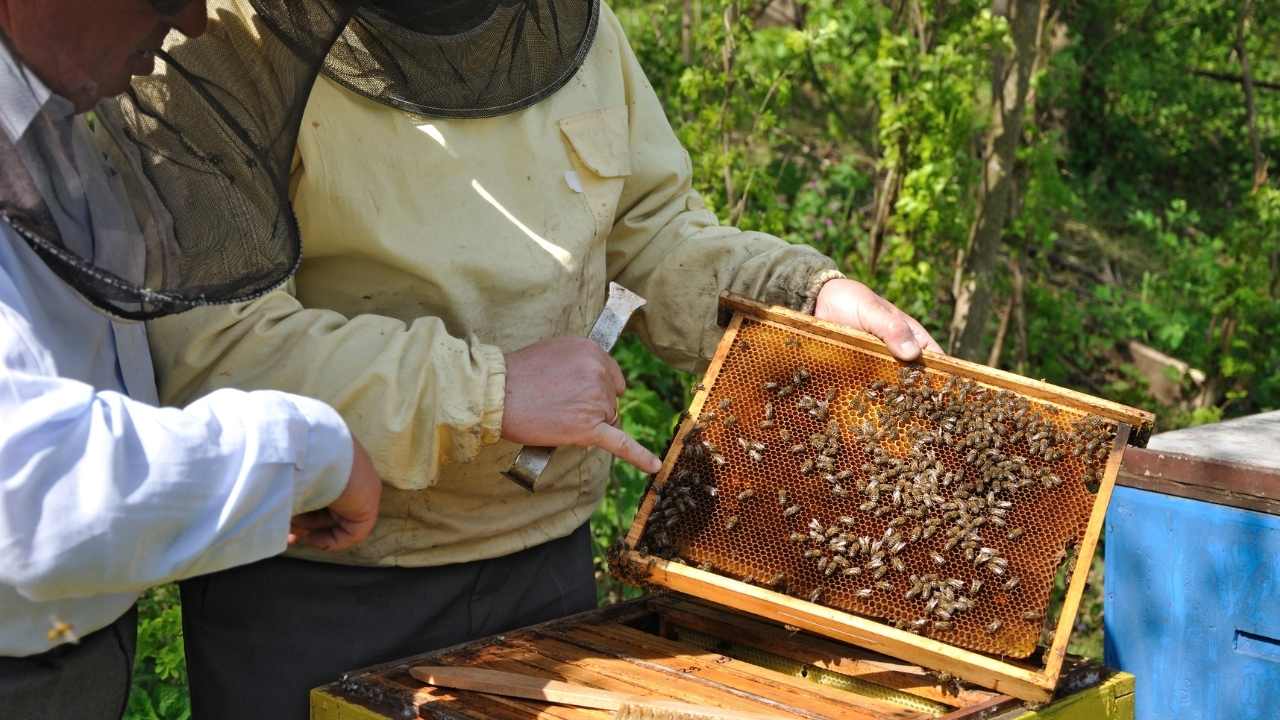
(1004, 677)
(624, 659)
(620, 675)
(759, 691)
(1110, 700)
(986, 709)
(760, 681)
(816, 651)
(1142, 420)
(1084, 559)
(1216, 481)
(673, 453)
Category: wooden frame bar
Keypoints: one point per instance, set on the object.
(1141, 422)
(1020, 679)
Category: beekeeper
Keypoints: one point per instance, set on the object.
(469, 176)
(102, 493)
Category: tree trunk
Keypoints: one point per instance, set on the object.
(1250, 106)
(1011, 83)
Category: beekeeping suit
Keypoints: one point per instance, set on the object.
(467, 179)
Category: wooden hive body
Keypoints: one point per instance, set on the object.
(761, 499)
(669, 647)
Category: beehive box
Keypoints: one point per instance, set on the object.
(666, 647)
(919, 510)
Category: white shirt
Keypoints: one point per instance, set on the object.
(102, 494)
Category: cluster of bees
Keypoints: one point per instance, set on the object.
(1004, 444)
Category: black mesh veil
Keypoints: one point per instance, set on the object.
(457, 58)
(203, 148)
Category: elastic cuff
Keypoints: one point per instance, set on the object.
(324, 462)
(815, 286)
(495, 389)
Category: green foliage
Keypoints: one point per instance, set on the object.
(160, 669)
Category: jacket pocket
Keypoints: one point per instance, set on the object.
(600, 153)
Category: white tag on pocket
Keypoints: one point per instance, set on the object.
(574, 182)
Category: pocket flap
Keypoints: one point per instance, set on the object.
(600, 139)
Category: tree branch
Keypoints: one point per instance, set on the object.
(1236, 79)
(1250, 107)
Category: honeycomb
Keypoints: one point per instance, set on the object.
(937, 504)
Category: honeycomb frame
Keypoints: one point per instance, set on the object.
(757, 472)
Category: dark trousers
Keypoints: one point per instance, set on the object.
(259, 637)
(85, 681)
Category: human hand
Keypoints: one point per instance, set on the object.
(348, 519)
(564, 391)
(851, 303)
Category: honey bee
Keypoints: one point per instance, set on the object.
(1032, 615)
(792, 342)
(884, 585)
(765, 424)
(937, 558)
(61, 631)
(898, 564)
(797, 449)
(994, 626)
(746, 494)
(941, 624)
(785, 391)
(778, 579)
(798, 537)
(725, 403)
(975, 586)
(755, 455)
(813, 596)
(768, 386)
(851, 570)
(1011, 583)
(785, 435)
(791, 511)
(731, 522)
(782, 496)
(719, 459)
(806, 467)
(1014, 534)
(864, 593)
(730, 420)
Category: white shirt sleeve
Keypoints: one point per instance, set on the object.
(103, 494)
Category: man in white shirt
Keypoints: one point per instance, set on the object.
(103, 494)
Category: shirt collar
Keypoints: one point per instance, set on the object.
(23, 96)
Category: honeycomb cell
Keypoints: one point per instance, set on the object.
(934, 503)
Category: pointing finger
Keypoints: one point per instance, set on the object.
(624, 447)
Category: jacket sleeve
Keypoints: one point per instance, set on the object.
(668, 247)
(415, 396)
(103, 494)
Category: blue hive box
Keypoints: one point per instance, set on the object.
(1193, 572)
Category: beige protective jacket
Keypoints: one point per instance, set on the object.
(431, 247)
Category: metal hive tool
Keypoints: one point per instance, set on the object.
(935, 503)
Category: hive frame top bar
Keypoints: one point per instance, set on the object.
(1140, 422)
(1022, 679)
